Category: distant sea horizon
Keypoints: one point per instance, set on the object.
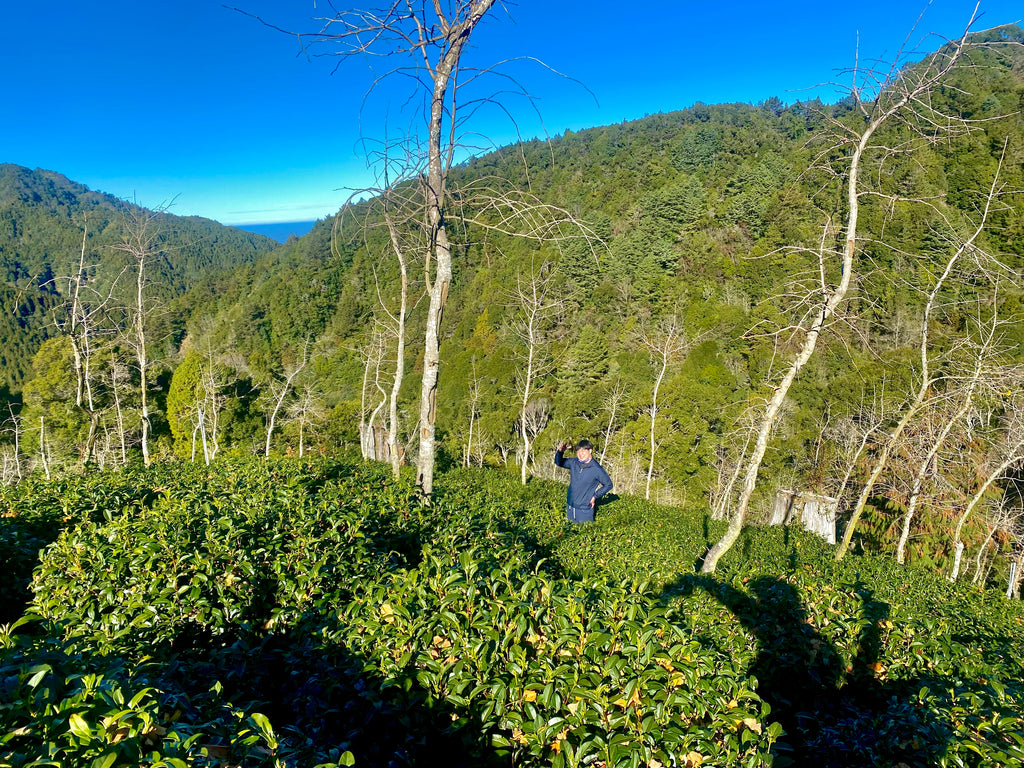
(279, 231)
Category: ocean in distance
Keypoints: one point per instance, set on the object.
(279, 231)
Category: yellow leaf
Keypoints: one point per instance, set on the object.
(386, 610)
(620, 702)
(694, 759)
(529, 695)
(752, 724)
(732, 704)
(573, 707)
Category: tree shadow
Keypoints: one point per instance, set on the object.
(323, 700)
(834, 715)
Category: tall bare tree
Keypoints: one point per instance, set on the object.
(881, 97)
(1008, 452)
(666, 344)
(965, 392)
(965, 247)
(142, 243)
(536, 303)
(426, 41)
(80, 317)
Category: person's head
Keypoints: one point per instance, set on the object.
(584, 450)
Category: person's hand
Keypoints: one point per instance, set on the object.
(562, 447)
(593, 500)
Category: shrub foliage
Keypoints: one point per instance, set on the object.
(315, 613)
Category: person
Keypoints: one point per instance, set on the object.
(588, 481)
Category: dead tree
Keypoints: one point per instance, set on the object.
(881, 98)
(142, 244)
(279, 391)
(1009, 453)
(666, 344)
(966, 394)
(306, 410)
(80, 318)
(928, 377)
(374, 355)
(612, 404)
(427, 42)
(536, 304)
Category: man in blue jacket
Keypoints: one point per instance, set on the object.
(588, 481)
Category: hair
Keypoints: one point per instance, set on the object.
(584, 444)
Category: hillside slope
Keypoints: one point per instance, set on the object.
(43, 216)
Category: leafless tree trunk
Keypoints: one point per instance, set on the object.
(76, 319)
(536, 305)
(279, 393)
(894, 92)
(612, 404)
(948, 422)
(42, 447)
(665, 345)
(15, 422)
(927, 377)
(114, 377)
(141, 243)
(374, 357)
(474, 401)
(1012, 450)
(428, 40)
(399, 321)
(305, 410)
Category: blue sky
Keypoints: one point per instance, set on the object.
(193, 102)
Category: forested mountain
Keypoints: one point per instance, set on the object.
(43, 220)
(662, 308)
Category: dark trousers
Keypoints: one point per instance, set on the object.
(579, 515)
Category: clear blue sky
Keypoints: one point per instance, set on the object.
(191, 101)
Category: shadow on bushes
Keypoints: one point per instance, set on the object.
(834, 716)
(322, 701)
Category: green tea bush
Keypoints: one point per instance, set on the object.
(315, 613)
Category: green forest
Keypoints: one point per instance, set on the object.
(753, 311)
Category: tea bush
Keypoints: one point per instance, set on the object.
(315, 613)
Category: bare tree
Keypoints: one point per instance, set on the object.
(880, 98)
(427, 41)
(965, 393)
(306, 410)
(536, 303)
(1005, 516)
(1009, 452)
(142, 243)
(374, 355)
(928, 376)
(80, 319)
(474, 406)
(612, 403)
(13, 424)
(666, 344)
(279, 391)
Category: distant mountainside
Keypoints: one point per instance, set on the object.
(43, 216)
(712, 213)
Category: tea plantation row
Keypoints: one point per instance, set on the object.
(301, 614)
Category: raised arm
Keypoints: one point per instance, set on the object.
(559, 459)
